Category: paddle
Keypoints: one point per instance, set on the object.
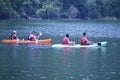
(40, 34)
(37, 37)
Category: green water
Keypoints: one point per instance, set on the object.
(41, 62)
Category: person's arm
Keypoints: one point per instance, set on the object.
(86, 39)
(68, 40)
(29, 36)
(35, 37)
(89, 42)
(17, 38)
(71, 42)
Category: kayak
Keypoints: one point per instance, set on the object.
(44, 41)
(79, 46)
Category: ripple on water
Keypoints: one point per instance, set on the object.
(60, 28)
(113, 73)
(43, 77)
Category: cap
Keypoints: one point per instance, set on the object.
(34, 31)
(14, 31)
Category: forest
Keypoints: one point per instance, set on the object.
(59, 9)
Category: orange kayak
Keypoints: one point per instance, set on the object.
(44, 41)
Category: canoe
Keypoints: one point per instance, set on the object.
(44, 41)
(79, 46)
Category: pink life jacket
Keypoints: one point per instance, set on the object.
(65, 40)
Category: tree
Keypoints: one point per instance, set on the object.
(49, 10)
(56, 9)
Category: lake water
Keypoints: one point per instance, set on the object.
(42, 62)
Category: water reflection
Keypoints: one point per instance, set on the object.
(14, 47)
(88, 64)
(101, 50)
(65, 54)
(35, 62)
(92, 62)
(11, 67)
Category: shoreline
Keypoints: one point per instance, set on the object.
(67, 19)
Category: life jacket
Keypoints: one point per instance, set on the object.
(83, 41)
(65, 40)
(31, 37)
(14, 37)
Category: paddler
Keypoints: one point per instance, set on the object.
(84, 40)
(32, 36)
(14, 35)
(66, 40)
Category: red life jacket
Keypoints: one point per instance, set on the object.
(83, 41)
(65, 40)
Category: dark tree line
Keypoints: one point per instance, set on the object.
(60, 9)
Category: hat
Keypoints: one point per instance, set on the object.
(14, 31)
(34, 31)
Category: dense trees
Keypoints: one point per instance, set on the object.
(58, 9)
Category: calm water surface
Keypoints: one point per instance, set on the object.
(41, 62)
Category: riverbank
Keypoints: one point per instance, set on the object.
(72, 19)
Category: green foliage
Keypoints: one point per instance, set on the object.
(64, 15)
(4, 9)
(49, 10)
(41, 13)
(57, 9)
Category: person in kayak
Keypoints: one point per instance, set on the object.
(66, 40)
(84, 40)
(14, 35)
(32, 36)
